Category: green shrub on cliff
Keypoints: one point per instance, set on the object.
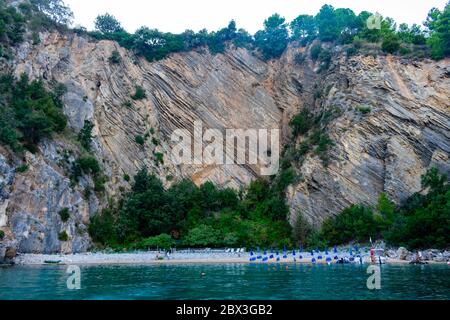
(29, 112)
(63, 236)
(2, 235)
(64, 214)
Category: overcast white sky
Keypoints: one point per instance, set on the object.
(179, 15)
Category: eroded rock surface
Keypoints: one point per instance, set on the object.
(386, 150)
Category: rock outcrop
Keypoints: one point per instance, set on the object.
(386, 150)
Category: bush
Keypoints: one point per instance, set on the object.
(159, 158)
(22, 168)
(139, 93)
(315, 51)
(64, 214)
(163, 241)
(2, 235)
(63, 236)
(302, 229)
(30, 109)
(99, 183)
(115, 57)
(391, 44)
(140, 140)
(102, 227)
(302, 123)
(202, 236)
(364, 109)
(85, 135)
(89, 165)
(355, 223)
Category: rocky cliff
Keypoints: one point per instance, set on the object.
(385, 150)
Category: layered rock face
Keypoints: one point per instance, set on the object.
(386, 150)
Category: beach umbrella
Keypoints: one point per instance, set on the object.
(351, 251)
(335, 249)
(312, 253)
(326, 251)
(317, 249)
(313, 260)
(300, 250)
(328, 259)
(257, 249)
(293, 252)
(319, 257)
(357, 248)
(251, 253)
(265, 252)
(277, 252)
(284, 249)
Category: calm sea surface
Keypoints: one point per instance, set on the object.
(228, 281)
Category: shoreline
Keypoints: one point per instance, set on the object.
(150, 258)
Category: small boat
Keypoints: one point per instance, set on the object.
(52, 261)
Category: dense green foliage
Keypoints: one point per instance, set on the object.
(28, 112)
(2, 235)
(273, 40)
(63, 236)
(195, 216)
(438, 22)
(423, 221)
(85, 135)
(64, 214)
(340, 25)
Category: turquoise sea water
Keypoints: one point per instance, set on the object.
(228, 281)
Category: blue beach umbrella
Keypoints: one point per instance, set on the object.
(351, 251)
(312, 253)
(293, 253)
(313, 260)
(326, 251)
(335, 249)
(319, 257)
(284, 249)
(300, 250)
(328, 259)
(277, 252)
(336, 258)
(278, 259)
(317, 249)
(265, 252)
